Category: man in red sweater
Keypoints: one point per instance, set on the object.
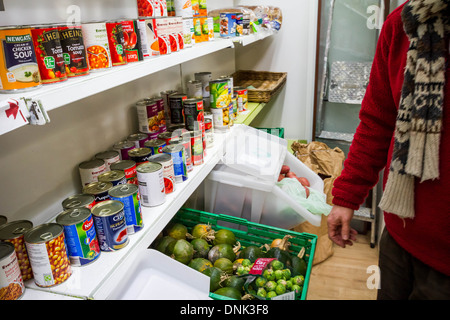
(415, 246)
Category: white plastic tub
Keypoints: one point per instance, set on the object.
(230, 191)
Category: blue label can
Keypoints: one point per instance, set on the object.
(179, 161)
(128, 194)
(110, 224)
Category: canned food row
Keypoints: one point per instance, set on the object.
(161, 8)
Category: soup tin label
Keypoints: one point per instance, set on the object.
(168, 173)
(11, 282)
(151, 184)
(90, 170)
(109, 156)
(132, 41)
(156, 145)
(97, 47)
(128, 194)
(72, 42)
(128, 167)
(116, 43)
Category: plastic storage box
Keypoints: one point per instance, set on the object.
(250, 233)
(279, 132)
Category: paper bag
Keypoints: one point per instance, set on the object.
(328, 164)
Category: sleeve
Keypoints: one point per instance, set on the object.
(369, 149)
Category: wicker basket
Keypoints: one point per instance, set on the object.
(266, 84)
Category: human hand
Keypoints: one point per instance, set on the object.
(339, 230)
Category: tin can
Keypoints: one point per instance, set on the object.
(149, 39)
(11, 282)
(165, 96)
(147, 112)
(72, 42)
(80, 235)
(221, 117)
(138, 139)
(79, 201)
(109, 157)
(209, 134)
(151, 184)
(146, 8)
(168, 173)
(48, 254)
(19, 70)
(97, 47)
(228, 24)
(219, 93)
(193, 114)
(205, 78)
(3, 220)
(140, 155)
(90, 169)
(128, 167)
(185, 141)
(197, 147)
(13, 232)
(183, 8)
(235, 106)
(110, 224)
(188, 32)
(178, 154)
(176, 107)
(128, 194)
(99, 190)
(123, 147)
(168, 136)
(49, 54)
(242, 98)
(116, 177)
(132, 41)
(155, 145)
(161, 118)
(195, 89)
(116, 43)
(230, 84)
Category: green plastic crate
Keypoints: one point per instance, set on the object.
(251, 233)
(279, 132)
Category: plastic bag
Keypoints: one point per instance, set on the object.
(314, 203)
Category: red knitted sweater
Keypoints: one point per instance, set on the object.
(427, 236)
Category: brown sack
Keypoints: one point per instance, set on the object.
(328, 164)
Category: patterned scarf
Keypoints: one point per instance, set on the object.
(419, 118)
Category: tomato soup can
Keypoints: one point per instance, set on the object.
(72, 42)
(79, 201)
(99, 190)
(176, 108)
(19, 70)
(195, 89)
(49, 53)
(11, 282)
(128, 194)
(109, 157)
(132, 41)
(97, 47)
(138, 139)
(110, 224)
(147, 112)
(219, 93)
(168, 173)
(140, 155)
(129, 169)
(156, 145)
(178, 154)
(81, 237)
(90, 169)
(151, 184)
(116, 177)
(123, 147)
(197, 147)
(48, 254)
(193, 114)
(116, 43)
(13, 232)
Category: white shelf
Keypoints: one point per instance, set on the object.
(96, 280)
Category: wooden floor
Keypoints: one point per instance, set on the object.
(343, 276)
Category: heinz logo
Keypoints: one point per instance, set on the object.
(87, 224)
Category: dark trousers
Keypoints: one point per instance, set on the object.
(403, 277)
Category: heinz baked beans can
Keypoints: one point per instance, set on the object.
(116, 177)
(80, 235)
(129, 169)
(97, 47)
(110, 224)
(11, 282)
(49, 53)
(90, 170)
(48, 254)
(72, 42)
(178, 154)
(151, 184)
(116, 43)
(128, 194)
(168, 173)
(13, 232)
(79, 201)
(19, 70)
(123, 147)
(99, 190)
(109, 157)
